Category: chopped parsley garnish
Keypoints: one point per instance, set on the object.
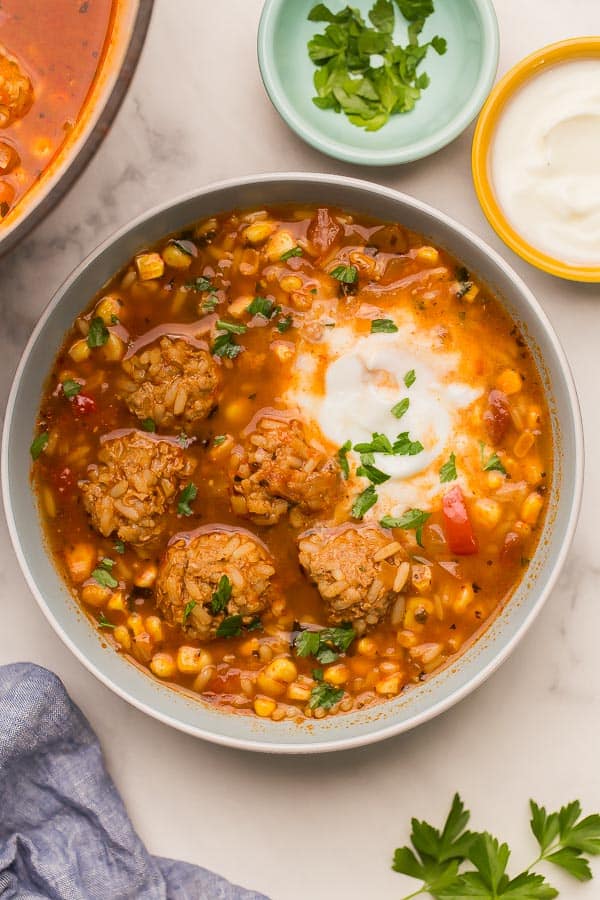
(412, 518)
(38, 444)
(230, 627)
(103, 622)
(403, 446)
(323, 694)
(148, 425)
(201, 284)
(102, 573)
(255, 625)
(119, 547)
(187, 610)
(284, 323)
(463, 288)
(184, 440)
(221, 596)
(71, 388)
(410, 378)
(345, 274)
(262, 306)
(342, 458)
(98, 333)
(210, 304)
(224, 345)
(348, 80)
(325, 645)
(295, 251)
(231, 327)
(375, 475)
(448, 470)
(493, 464)
(379, 444)
(400, 408)
(188, 494)
(219, 439)
(364, 502)
(383, 326)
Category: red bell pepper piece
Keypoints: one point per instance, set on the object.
(457, 525)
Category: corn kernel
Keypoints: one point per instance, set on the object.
(367, 647)
(532, 507)
(80, 560)
(175, 257)
(109, 308)
(282, 669)
(486, 512)
(495, 480)
(117, 602)
(249, 262)
(278, 244)
(154, 628)
(205, 228)
(114, 348)
(290, 283)
(523, 444)
(463, 599)
(200, 681)
(162, 665)
(282, 350)
(264, 706)
(471, 294)
(534, 417)
(95, 594)
(406, 639)
(79, 351)
(146, 577)
(258, 232)
(337, 674)
(237, 412)
(149, 266)
(122, 637)
(269, 686)
(249, 647)
(428, 255)
(239, 307)
(509, 382)
(135, 623)
(191, 660)
(418, 610)
(533, 472)
(389, 685)
(297, 691)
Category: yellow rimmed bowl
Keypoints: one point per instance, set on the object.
(510, 84)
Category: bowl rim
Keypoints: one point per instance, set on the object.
(76, 162)
(379, 732)
(409, 153)
(527, 68)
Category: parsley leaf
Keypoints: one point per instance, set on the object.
(188, 494)
(325, 645)
(71, 388)
(210, 304)
(345, 274)
(493, 464)
(262, 306)
(119, 547)
(410, 378)
(412, 518)
(187, 247)
(230, 627)
(224, 345)
(219, 439)
(400, 408)
(102, 574)
(342, 458)
(231, 327)
(103, 622)
(380, 326)
(448, 470)
(403, 446)
(284, 323)
(221, 596)
(98, 333)
(364, 502)
(148, 425)
(323, 694)
(375, 475)
(379, 444)
(38, 444)
(200, 284)
(295, 251)
(186, 612)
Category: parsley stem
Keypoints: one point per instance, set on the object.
(422, 890)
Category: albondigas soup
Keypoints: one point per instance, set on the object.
(293, 460)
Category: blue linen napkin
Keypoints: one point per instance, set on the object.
(64, 832)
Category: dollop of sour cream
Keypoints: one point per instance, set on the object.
(545, 162)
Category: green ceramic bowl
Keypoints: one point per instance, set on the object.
(460, 81)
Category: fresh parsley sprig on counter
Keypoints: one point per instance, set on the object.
(454, 863)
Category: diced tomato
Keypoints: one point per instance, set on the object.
(457, 525)
(497, 416)
(511, 549)
(83, 405)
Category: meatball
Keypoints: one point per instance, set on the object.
(134, 483)
(174, 383)
(358, 571)
(277, 468)
(16, 91)
(213, 575)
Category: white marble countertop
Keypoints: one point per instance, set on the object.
(319, 826)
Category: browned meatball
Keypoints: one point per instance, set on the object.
(16, 91)
(358, 570)
(278, 468)
(134, 483)
(212, 576)
(173, 382)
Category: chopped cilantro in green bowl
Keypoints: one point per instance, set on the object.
(378, 82)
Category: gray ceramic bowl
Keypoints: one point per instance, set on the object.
(177, 709)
